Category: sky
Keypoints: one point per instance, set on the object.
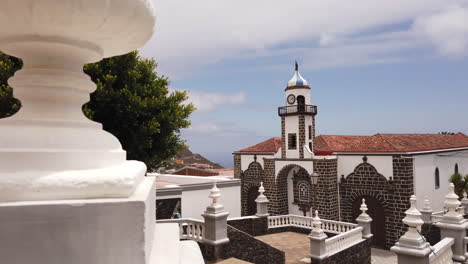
(398, 66)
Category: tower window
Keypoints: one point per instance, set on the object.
(437, 178)
(310, 146)
(310, 132)
(292, 141)
(304, 191)
(456, 168)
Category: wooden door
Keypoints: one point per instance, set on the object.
(377, 213)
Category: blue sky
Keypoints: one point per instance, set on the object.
(373, 66)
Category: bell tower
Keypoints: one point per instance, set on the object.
(297, 119)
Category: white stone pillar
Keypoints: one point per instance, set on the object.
(426, 212)
(67, 192)
(262, 203)
(365, 221)
(464, 203)
(317, 239)
(215, 220)
(454, 225)
(412, 248)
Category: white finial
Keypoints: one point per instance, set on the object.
(261, 190)
(215, 194)
(414, 221)
(451, 201)
(364, 208)
(427, 204)
(316, 225)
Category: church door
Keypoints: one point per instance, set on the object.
(377, 213)
(251, 204)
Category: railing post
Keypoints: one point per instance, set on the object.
(215, 220)
(262, 203)
(412, 247)
(426, 212)
(317, 237)
(464, 202)
(365, 221)
(452, 224)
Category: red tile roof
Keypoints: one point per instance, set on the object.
(271, 145)
(379, 143)
(385, 143)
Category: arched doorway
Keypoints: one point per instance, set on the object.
(377, 213)
(300, 104)
(252, 194)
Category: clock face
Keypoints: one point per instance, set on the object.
(291, 99)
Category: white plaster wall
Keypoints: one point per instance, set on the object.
(347, 164)
(297, 92)
(292, 126)
(307, 165)
(195, 202)
(424, 180)
(247, 159)
(293, 209)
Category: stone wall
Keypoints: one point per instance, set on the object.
(327, 191)
(391, 196)
(251, 178)
(252, 225)
(244, 247)
(237, 166)
(302, 135)
(283, 137)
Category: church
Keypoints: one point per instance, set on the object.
(333, 173)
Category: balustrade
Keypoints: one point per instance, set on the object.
(442, 252)
(343, 241)
(329, 226)
(191, 229)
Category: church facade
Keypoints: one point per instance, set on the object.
(385, 169)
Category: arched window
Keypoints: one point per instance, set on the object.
(304, 191)
(456, 168)
(437, 178)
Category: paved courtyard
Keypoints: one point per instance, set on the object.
(296, 248)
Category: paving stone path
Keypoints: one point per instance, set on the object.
(296, 248)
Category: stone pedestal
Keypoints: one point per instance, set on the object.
(92, 231)
(317, 237)
(262, 203)
(365, 221)
(215, 220)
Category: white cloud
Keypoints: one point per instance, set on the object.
(206, 101)
(447, 30)
(191, 34)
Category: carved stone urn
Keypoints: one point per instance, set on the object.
(49, 150)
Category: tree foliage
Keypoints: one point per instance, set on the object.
(8, 66)
(461, 184)
(131, 101)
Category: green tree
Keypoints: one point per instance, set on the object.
(8, 66)
(461, 184)
(131, 101)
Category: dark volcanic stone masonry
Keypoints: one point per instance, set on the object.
(357, 254)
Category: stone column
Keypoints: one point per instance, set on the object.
(365, 221)
(262, 203)
(412, 248)
(67, 192)
(317, 237)
(215, 220)
(426, 212)
(454, 225)
(464, 202)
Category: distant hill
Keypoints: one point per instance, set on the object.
(187, 157)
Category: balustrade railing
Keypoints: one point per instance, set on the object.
(343, 241)
(437, 216)
(330, 226)
(191, 229)
(295, 109)
(442, 252)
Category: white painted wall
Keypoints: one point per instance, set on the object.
(347, 164)
(306, 164)
(246, 159)
(424, 180)
(293, 209)
(297, 92)
(195, 202)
